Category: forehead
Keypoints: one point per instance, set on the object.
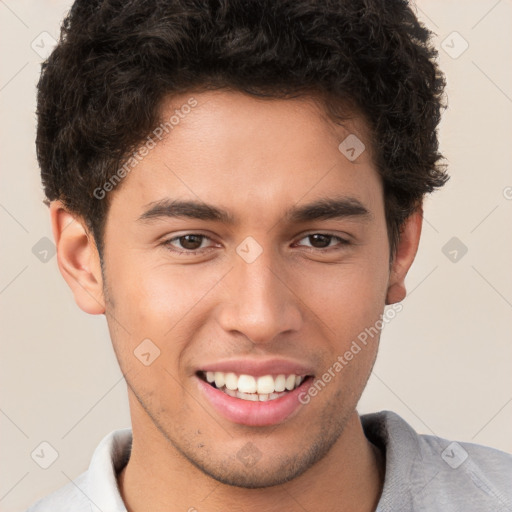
(259, 156)
(222, 118)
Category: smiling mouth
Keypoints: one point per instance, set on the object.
(251, 388)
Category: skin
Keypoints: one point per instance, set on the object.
(256, 159)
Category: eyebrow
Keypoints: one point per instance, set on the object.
(322, 209)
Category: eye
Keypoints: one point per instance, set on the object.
(193, 243)
(189, 243)
(323, 241)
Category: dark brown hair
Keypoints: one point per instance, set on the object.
(100, 91)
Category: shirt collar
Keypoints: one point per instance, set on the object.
(107, 461)
(396, 439)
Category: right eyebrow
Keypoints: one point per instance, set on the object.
(189, 209)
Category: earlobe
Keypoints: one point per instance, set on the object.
(78, 259)
(404, 256)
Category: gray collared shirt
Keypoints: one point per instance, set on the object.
(423, 473)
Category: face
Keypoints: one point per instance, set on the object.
(259, 283)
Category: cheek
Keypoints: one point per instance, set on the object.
(158, 296)
(347, 297)
(350, 303)
(167, 304)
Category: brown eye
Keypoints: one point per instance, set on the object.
(324, 241)
(187, 244)
(191, 242)
(320, 241)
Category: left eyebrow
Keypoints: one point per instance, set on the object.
(322, 209)
(329, 208)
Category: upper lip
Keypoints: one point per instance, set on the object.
(258, 368)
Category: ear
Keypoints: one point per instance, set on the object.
(78, 258)
(404, 256)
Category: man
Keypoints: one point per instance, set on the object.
(238, 187)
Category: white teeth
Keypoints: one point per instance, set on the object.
(265, 387)
(290, 382)
(231, 381)
(219, 379)
(247, 396)
(247, 384)
(280, 383)
(265, 384)
(253, 397)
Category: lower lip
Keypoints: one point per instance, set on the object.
(254, 414)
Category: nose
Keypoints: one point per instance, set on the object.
(261, 303)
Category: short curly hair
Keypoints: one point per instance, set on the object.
(101, 90)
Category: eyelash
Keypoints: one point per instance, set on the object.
(191, 252)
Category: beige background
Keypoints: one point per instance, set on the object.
(445, 361)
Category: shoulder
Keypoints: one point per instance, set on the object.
(426, 472)
(467, 473)
(68, 498)
(96, 489)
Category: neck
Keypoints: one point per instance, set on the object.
(158, 478)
